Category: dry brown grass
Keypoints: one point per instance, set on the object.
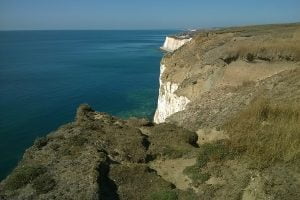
(269, 50)
(266, 132)
(268, 43)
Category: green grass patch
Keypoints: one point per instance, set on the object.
(164, 195)
(78, 140)
(216, 152)
(23, 176)
(174, 151)
(213, 152)
(43, 183)
(194, 172)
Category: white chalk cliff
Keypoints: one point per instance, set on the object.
(168, 102)
(172, 43)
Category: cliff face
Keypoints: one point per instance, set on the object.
(173, 43)
(213, 63)
(168, 102)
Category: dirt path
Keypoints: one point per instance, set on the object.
(210, 136)
(172, 171)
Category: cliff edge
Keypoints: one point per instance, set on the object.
(214, 63)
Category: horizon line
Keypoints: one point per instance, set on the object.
(155, 29)
(159, 29)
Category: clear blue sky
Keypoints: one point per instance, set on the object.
(143, 14)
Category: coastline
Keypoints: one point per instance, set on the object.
(227, 127)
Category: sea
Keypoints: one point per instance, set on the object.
(46, 75)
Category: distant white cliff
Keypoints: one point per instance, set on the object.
(173, 43)
(168, 102)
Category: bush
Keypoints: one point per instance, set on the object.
(194, 172)
(23, 176)
(43, 184)
(248, 83)
(78, 140)
(82, 110)
(40, 142)
(208, 152)
(266, 132)
(170, 141)
(54, 146)
(213, 152)
(173, 151)
(188, 194)
(249, 57)
(164, 195)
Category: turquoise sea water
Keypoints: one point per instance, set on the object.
(45, 75)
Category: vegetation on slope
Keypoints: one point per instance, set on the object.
(269, 49)
(23, 175)
(267, 132)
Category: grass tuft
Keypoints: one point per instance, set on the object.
(164, 195)
(23, 176)
(212, 152)
(195, 173)
(266, 132)
(40, 142)
(43, 184)
(78, 140)
(268, 50)
(216, 152)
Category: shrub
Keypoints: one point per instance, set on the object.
(208, 152)
(78, 140)
(84, 108)
(266, 132)
(194, 172)
(249, 57)
(174, 151)
(40, 142)
(188, 194)
(54, 146)
(164, 195)
(213, 152)
(23, 176)
(248, 83)
(170, 141)
(82, 111)
(43, 184)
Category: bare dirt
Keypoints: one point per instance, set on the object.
(172, 171)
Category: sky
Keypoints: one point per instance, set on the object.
(143, 14)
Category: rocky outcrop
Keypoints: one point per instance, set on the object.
(173, 43)
(98, 157)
